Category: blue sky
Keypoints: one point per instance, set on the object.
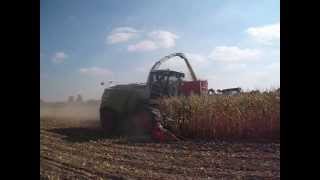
(229, 43)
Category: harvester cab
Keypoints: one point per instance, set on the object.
(165, 83)
(173, 82)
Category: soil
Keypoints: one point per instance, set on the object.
(72, 149)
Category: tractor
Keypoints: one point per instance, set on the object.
(131, 109)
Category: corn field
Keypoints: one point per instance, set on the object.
(244, 116)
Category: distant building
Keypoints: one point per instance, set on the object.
(70, 99)
(79, 99)
(93, 102)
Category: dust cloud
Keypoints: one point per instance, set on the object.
(74, 112)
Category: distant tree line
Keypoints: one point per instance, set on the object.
(72, 100)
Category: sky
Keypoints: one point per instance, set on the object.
(230, 43)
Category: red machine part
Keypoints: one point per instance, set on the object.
(161, 134)
(194, 87)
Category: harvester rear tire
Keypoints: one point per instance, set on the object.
(107, 120)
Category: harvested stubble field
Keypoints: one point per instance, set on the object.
(78, 149)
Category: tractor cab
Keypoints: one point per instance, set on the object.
(165, 83)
